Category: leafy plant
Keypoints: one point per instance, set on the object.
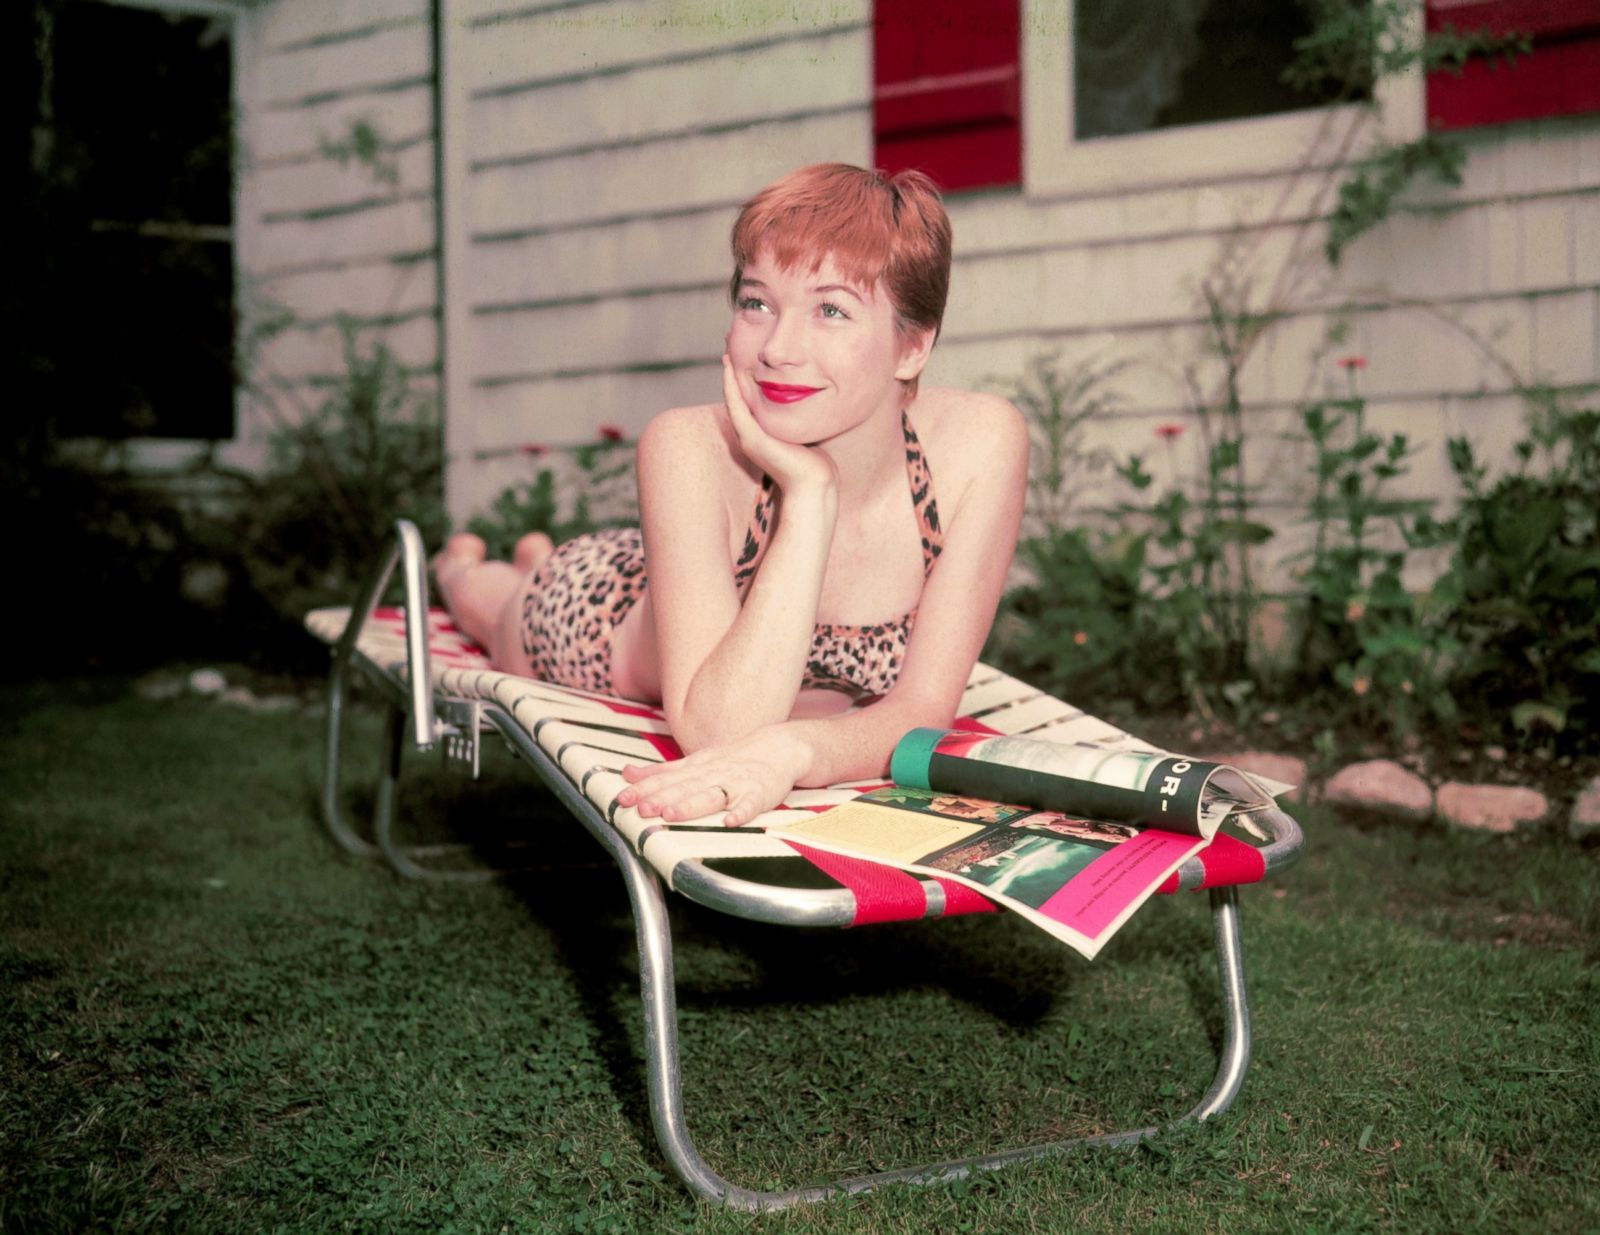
(1526, 580)
(1356, 43)
(305, 530)
(1059, 403)
(1387, 651)
(364, 146)
(1086, 626)
(605, 495)
(104, 551)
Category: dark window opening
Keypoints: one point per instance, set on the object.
(1155, 64)
(130, 188)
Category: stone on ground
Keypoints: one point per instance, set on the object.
(1491, 808)
(1381, 786)
(1585, 821)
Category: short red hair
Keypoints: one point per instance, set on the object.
(875, 227)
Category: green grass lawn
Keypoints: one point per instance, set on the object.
(213, 1021)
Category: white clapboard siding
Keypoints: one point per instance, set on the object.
(1106, 287)
(526, 43)
(321, 183)
(319, 351)
(395, 228)
(728, 166)
(640, 330)
(373, 289)
(290, 23)
(379, 60)
(1586, 238)
(296, 132)
(1006, 221)
(673, 97)
(567, 411)
(596, 261)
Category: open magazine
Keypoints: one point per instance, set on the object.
(1100, 830)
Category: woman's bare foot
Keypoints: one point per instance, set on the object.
(532, 551)
(461, 552)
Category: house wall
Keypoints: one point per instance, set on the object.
(322, 238)
(596, 152)
(603, 150)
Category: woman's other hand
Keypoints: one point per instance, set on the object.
(740, 780)
(792, 468)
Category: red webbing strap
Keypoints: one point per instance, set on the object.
(883, 893)
(887, 894)
(958, 898)
(1227, 860)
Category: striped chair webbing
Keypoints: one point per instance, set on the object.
(590, 736)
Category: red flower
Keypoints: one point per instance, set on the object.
(1352, 362)
(1170, 432)
(610, 433)
(535, 450)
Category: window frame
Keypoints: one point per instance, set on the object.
(1057, 164)
(160, 454)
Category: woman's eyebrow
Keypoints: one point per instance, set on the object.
(824, 289)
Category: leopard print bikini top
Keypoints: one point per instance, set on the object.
(863, 660)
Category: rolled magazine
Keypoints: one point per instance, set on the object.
(1074, 837)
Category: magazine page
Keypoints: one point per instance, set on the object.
(1143, 787)
(1078, 879)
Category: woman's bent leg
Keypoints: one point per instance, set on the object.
(475, 591)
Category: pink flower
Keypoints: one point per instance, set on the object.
(610, 433)
(535, 450)
(1361, 686)
(1352, 362)
(1169, 432)
(1355, 611)
(1080, 638)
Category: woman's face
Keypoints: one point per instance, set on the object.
(815, 354)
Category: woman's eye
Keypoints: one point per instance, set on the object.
(833, 311)
(751, 303)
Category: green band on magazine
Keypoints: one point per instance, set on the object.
(908, 765)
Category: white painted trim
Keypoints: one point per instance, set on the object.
(454, 85)
(1057, 165)
(190, 8)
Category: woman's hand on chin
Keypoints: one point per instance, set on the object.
(740, 780)
(793, 468)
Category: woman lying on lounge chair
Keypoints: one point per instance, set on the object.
(827, 533)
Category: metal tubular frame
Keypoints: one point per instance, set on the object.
(739, 897)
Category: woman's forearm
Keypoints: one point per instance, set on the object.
(853, 745)
(752, 676)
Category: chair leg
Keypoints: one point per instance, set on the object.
(403, 858)
(664, 1079)
(1234, 1060)
(333, 818)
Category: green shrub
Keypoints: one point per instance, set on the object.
(98, 558)
(1525, 582)
(304, 531)
(606, 496)
(1086, 628)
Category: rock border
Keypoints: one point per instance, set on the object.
(1388, 788)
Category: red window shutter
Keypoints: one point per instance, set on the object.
(947, 90)
(1561, 77)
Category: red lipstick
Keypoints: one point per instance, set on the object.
(777, 392)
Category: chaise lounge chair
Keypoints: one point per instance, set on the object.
(438, 687)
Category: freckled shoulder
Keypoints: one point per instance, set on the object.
(696, 446)
(968, 435)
